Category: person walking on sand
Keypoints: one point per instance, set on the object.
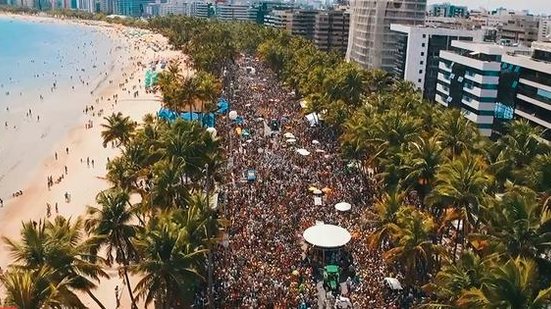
(117, 296)
(66, 170)
(88, 161)
(67, 150)
(55, 155)
(56, 209)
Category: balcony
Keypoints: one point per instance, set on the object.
(534, 101)
(536, 82)
(481, 93)
(533, 118)
(527, 62)
(470, 62)
(482, 79)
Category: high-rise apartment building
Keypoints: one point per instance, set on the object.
(469, 79)
(544, 30)
(525, 84)
(331, 30)
(418, 49)
(518, 28)
(448, 10)
(242, 12)
(135, 8)
(327, 29)
(280, 19)
(371, 43)
(303, 23)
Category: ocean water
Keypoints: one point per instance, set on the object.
(52, 70)
(34, 55)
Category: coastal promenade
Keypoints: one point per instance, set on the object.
(77, 162)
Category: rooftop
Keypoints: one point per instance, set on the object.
(489, 48)
(434, 30)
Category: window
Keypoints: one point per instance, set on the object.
(419, 80)
(424, 36)
(420, 71)
(422, 62)
(422, 53)
(544, 93)
(423, 45)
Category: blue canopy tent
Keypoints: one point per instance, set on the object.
(239, 120)
(166, 114)
(208, 120)
(223, 106)
(190, 116)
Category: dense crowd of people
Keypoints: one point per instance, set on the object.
(265, 262)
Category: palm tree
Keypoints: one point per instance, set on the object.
(460, 184)
(457, 276)
(117, 128)
(457, 132)
(208, 90)
(111, 227)
(538, 172)
(385, 210)
(510, 285)
(519, 222)
(422, 160)
(58, 246)
(170, 264)
(30, 289)
(521, 143)
(414, 250)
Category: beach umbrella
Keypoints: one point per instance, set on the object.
(233, 115)
(315, 142)
(291, 141)
(343, 206)
(312, 189)
(288, 135)
(303, 152)
(212, 132)
(320, 150)
(317, 192)
(326, 190)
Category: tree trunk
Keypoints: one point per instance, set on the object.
(125, 263)
(456, 239)
(92, 296)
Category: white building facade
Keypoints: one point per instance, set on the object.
(418, 50)
(469, 80)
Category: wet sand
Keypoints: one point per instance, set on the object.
(83, 181)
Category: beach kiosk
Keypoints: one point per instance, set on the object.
(326, 237)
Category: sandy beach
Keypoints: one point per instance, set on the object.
(82, 144)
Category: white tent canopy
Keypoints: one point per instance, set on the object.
(313, 119)
(393, 283)
(343, 206)
(327, 236)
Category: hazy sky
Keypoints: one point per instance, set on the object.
(534, 6)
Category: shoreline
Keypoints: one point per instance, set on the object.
(81, 181)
